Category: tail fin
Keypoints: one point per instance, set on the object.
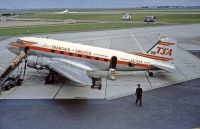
(165, 48)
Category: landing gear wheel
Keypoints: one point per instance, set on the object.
(8, 87)
(19, 82)
(99, 87)
(50, 78)
(92, 86)
(47, 79)
(150, 74)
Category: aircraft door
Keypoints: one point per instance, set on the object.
(113, 62)
(112, 70)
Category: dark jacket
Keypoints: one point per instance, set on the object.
(139, 91)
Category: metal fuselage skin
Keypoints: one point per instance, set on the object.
(95, 57)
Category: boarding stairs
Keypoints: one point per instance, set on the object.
(6, 77)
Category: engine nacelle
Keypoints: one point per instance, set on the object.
(37, 62)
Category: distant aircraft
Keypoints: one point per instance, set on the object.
(7, 14)
(63, 12)
(74, 61)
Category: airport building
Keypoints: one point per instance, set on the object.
(126, 16)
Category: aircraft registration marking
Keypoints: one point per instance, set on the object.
(136, 61)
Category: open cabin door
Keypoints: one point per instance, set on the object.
(112, 69)
(113, 62)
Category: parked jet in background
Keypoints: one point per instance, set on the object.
(73, 60)
(63, 12)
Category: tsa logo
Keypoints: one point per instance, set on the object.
(164, 51)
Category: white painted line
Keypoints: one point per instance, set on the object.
(1, 68)
(137, 42)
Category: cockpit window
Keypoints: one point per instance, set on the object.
(25, 42)
(19, 41)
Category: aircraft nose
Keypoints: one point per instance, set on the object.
(9, 47)
(14, 47)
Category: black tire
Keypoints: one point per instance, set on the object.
(8, 87)
(47, 79)
(12, 85)
(99, 87)
(151, 74)
(19, 82)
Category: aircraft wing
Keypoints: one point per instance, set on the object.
(72, 70)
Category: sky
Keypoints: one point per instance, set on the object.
(29, 4)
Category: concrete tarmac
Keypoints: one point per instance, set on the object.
(173, 107)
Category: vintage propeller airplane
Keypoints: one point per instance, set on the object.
(73, 60)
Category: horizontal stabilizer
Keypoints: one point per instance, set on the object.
(166, 67)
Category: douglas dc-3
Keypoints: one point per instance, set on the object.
(74, 61)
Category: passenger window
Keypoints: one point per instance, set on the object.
(71, 54)
(131, 64)
(53, 51)
(106, 60)
(96, 58)
(61, 52)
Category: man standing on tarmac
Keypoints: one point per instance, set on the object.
(138, 95)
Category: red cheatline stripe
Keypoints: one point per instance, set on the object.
(122, 62)
(82, 56)
(14, 44)
(142, 65)
(153, 57)
(166, 43)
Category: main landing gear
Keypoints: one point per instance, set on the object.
(96, 83)
(50, 79)
(150, 73)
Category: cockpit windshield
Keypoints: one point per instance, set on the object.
(19, 41)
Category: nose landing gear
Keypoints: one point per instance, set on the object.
(150, 73)
(50, 79)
